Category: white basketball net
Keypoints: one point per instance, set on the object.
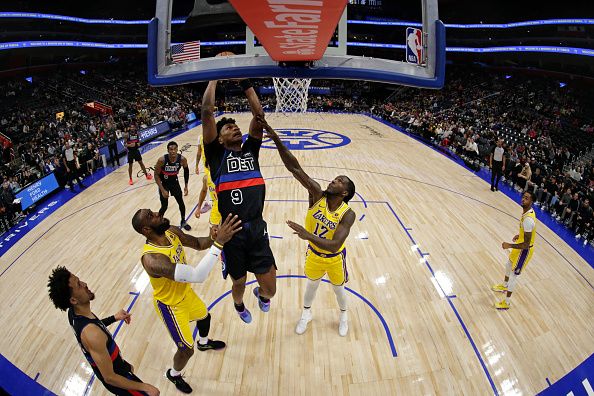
(291, 94)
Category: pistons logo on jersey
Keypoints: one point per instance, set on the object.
(414, 46)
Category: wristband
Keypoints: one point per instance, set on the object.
(245, 84)
(217, 245)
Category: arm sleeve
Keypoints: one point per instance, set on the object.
(528, 224)
(109, 320)
(186, 174)
(188, 274)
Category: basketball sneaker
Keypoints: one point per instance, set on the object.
(179, 382)
(501, 288)
(130, 182)
(245, 315)
(502, 305)
(211, 345)
(306, 317)
(205, 208)
(185, 226)
(343, 324)
(264, 306)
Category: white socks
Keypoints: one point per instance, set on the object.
(310, 292)
(341, 296)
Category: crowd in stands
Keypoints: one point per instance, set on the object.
(546, 129)
(42, 117)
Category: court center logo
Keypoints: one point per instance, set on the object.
(308, 139)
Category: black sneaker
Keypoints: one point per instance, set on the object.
(185, 226)
(179, 382)
(211, 344)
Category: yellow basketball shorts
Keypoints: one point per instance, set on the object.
(215, 215)
(318, 264)
(177, 318)
(519, 259)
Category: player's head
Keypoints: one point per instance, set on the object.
(66, 290)
(148, 223)
(228, 132)
(341, 186)
(172, 148)
(527, 199)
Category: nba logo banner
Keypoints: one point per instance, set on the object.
(414, 46)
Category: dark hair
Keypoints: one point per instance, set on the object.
(171, 143)
(59, 289)
(222, 122)
(136, 223)
(350, 190)
(532, 195)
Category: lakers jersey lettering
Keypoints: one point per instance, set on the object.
(165, 290)
(323, 222)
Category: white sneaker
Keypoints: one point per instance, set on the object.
(578, 236)
(306, 317)
(343, 324)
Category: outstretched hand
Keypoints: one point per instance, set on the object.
(230, 227)
(270, 132)
(123, 315)
(299, 230)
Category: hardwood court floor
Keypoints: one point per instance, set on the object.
(413, 195)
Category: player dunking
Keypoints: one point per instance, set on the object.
(207, 187)
(167, 170)
(235, 170)
(327, 224)
(133, 146)
(68, 292)
(164, 260)
(522, 250)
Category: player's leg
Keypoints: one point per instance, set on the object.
(338, 276)
(516, 269)
(261, 263)
(200, 314)
(130, 162)
(314, 273)
(179, 197)
(146, 173)
(201, 197)
(178, 325)
(164, 201)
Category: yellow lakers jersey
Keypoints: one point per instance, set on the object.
(322, 222)
(168, 291)
(531, 214)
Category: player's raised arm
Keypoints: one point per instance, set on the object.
(292, 165)
(256, 108)
(159, 265)
(209, 125)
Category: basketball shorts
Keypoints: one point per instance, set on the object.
(318, 264)
(172, 186)
(248, 250)
(134, 155)
(215, 215)
(177, 318)
(519, 259)
(122, 392)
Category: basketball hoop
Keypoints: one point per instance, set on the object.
(291, 94)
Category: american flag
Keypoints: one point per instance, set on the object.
(185, 52)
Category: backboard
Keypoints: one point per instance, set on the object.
(295, 37)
